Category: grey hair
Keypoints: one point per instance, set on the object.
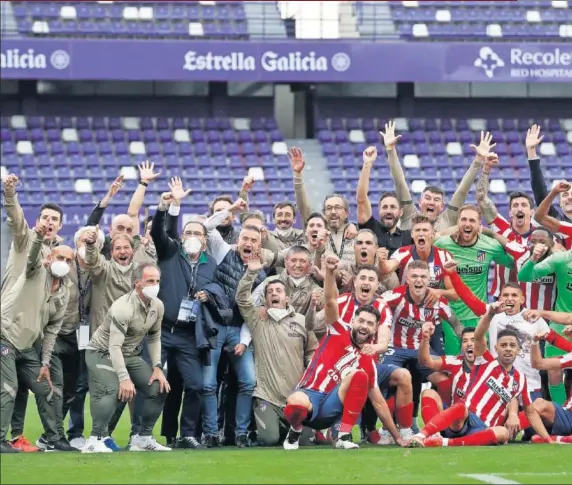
(298, 250)
(329, 196)
(253, 214)
(100, 236)
(139, 269)
(369, 231)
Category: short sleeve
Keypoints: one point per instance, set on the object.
(386, 317)
(566, 361)
(526, 399)
(500, 225)
(373, 375)
(338, 328)
(401, 255)
(449, 363)
(391, 297)
(371, 224)
(485, 358)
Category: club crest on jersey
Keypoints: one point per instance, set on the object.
(499, 390)
(428, 312)
(5, 350)
(437, 269)
(481, 256)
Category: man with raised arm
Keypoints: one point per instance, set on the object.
(340, 376)
(533, 139)
(388, 235)
(560, 227)
(431, 203)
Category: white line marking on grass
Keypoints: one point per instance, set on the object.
(488, 478)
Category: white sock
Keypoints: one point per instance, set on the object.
(445, 441)
(405, 430)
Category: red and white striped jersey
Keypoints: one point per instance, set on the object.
(565, 232)
(459, 377)
(437, 258)
(493, 388)
(566, 363)
(347, 306)
(334, 358)
(540, 294)
(409, 317)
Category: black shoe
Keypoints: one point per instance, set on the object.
(6, 447)
(241, 441)
(61, 445)
(211, 441)
(189, 443)
(172, 442)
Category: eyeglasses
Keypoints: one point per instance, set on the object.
(336, 208)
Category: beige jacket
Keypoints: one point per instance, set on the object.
(299, 295)
(110, 281)
(22, 237)
(71, 318)
(282, 349)
(125, 325)
(30, 310)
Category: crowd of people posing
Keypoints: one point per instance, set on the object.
(245, 336)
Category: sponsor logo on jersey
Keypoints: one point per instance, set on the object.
(499, 390)
(410, 322)
(546, 280)
(459, 392)
(467, 270)
(481, 256)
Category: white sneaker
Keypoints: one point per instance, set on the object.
(78, 443)
(292, 441)
(406, 433)
(386, 438)
(146, 443)
(95, 445)
(344, 443)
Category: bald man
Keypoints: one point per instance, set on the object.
(24, 320)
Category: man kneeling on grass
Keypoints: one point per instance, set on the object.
(116, 369)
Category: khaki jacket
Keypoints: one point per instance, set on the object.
(299, 296)
(29, 308)
(282, 349)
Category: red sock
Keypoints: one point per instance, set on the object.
(429, 409)
(445, 419)
(295, 415)
(404, 415)
(563, 439)
(482, 438)
(524, 422)
(354, 401)
(391, 404)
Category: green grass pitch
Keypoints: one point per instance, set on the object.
(511, 464)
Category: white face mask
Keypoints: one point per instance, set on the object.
(297, 281)
(278, 313)
(193, 245)
(284, 232)
(59, 269)
(123, 269)
(151, 292)
(81, 252)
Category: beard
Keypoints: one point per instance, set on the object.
(360, 339)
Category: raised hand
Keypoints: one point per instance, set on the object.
(91, 235)
(351, 231)
(296, 160)
(238, 206)
(485, 145)
(115, 187)
(247, 183)
(382, 254)
(177, 190)
(369, 155)
(254, 262)
(492, 159)
(317, 296)
(331, 261)
(561, 187)
(10, 183)
(531, 315)
(494, 308)
(427, 330)
(322, 238)
(41, 227)
(533, 138)
(146, 172)
(388, 136)
(450, 266)
(166, 198)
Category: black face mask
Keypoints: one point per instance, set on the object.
(224, 230)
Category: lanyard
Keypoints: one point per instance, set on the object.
(82, 292)
(194, 269)
(341, 253)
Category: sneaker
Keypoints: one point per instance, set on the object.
(24, 445)
(95, 444)
(406, 433)
(111, 444)
(146, 443)
(171, 442)
(434, 442)
(42, 443)
(416, 441)
(60, 445)
(6, 447)
(212, 441)
(189, 443)
(253, 440)
(242, 441)
(384, 438)
(344, 442)
(292, 441)
(78, 443)
(363, 435)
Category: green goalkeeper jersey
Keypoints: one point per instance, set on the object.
(559, 264)
(473, 264)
